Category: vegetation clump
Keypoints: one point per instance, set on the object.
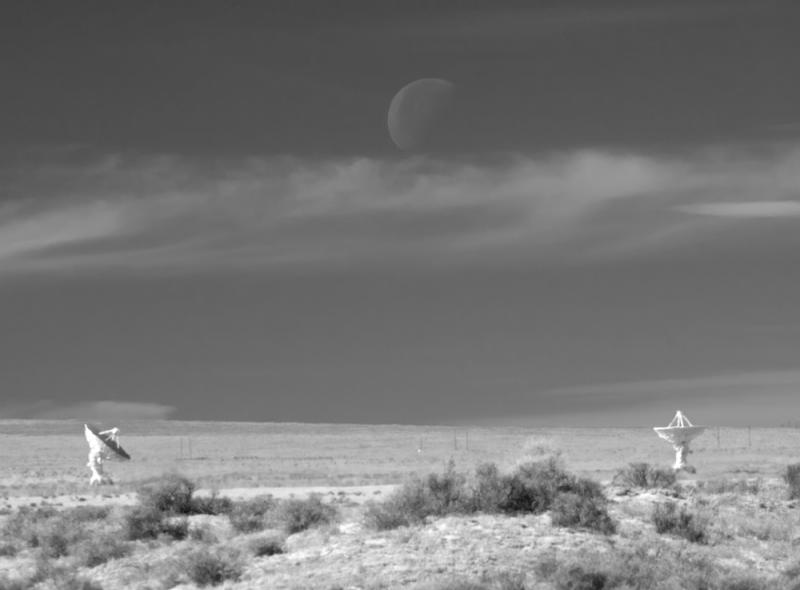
(146, 522)
(588, 512)
(531, 488)
(299, 515)
(731, 486)
(54, 533)
(682, 523)
(211, 567)
(252, 515)
(644, 476)
(792, 478)
(267, 546)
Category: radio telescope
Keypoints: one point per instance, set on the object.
(679, 433)
(103, 446)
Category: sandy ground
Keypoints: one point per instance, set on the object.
(351, 494)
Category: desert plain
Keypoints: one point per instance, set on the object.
(752, 526)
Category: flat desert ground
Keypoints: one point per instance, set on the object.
(756, 533)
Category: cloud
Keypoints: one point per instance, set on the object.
(89, 411)
(170, 213)
(747, 398)
(750, 209)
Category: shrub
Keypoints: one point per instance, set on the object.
(642, 475)
(24, 525)
(299, 515)
(682, 523)
(447, 493)
(62, 578)
(7, 583)
(8, 550)
(146, 522)
(747, 582)
(55, 533)
(98, 550)
(213, 505)
(54, 539)
(573, 510)
(416, 499)
(534, 486)
(251, 515)
(490, 488)
(171, 495)
(206, 567)
(732, 486)
(531, 488)
(203, 534)
(792, 478)
(389, 514)
(268, 546)
(580, 577)
(87, 513)
(456, 584)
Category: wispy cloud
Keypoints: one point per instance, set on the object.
(751, 209)
(169, 212)
(749, 398)
(89, 411)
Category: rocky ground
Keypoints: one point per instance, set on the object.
(755, 534)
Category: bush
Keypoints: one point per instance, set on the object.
(792, 478)
(668, 519)
(62, 578)
(573, 510)
(171, 495)
(54, 539)
(47, 529)
(97, 551)
(8, 550)
(25, 524)
(490, 488)
(268, 546)
(7, 583)
(389, 514)
(731, 486)
(299, 515)
(642, 475)
(533, 487)
(417, 499)
(214, 505)
(580, 577)
(206, 567)
(447, 493)
(203, 534)
(147, 522)
(251, 515)
(87, 513)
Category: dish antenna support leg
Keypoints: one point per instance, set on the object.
(681, 454)
(95, 464)
(98, 454)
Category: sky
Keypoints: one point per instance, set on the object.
(203, 215)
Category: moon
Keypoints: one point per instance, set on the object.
(415, 109)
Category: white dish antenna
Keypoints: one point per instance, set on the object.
(679, 433)
(103, 446)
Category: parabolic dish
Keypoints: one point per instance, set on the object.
(679, 434)
(106, 440)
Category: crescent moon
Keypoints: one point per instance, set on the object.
(415, 109)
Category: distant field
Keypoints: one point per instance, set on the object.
(48, 457)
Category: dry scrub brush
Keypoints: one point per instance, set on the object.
(532, 488)
(644, 476)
